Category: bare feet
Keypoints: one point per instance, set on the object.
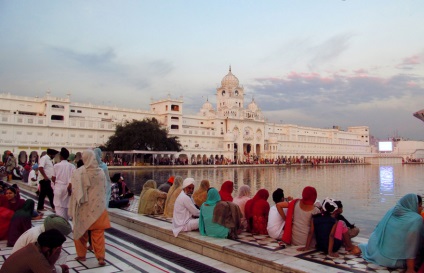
(102, 262)
(355, 250)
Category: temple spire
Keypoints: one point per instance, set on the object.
(230, 67)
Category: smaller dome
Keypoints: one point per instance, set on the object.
(252, 106)
(207, 106)
(229, 136)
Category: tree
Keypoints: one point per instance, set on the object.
(146, 135)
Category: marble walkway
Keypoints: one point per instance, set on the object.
(129, 249)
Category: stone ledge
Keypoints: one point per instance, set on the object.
(244, 256)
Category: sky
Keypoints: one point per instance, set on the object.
(310, 63)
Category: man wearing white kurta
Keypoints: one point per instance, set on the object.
(63, 172)
(184, 210)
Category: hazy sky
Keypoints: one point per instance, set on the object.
(312, 63)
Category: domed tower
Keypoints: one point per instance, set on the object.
(253, 111)
(230, 97)
(207, 109)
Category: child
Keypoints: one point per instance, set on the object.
(329, 232)
(353, 231)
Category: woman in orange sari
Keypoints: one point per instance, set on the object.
(87, 207)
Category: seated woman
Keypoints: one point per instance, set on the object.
(201, 194)
(329, 232)
(172, 195)
(395, 241)
(206, 225)
(298, 219)
(242, 197)
(20, 222)
(6, 215)
(151, 199)
(226, 191)
(115, 201)
(240, 200)
(257, 210)
(14, 202)
(124, 192)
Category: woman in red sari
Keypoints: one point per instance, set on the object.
(9, 203)
(256, 212)
(226, 191)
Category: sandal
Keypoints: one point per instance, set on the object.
(102, 262)
(81, 259)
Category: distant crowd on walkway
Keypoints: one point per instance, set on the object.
(253, 160)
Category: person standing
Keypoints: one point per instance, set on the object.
(103, 166)
(47, 171)
(87, 207)
(62, 187)
(33, 175)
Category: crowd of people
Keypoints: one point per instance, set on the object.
(80, 189)
(304, 222)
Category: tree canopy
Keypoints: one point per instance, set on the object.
(146, 135)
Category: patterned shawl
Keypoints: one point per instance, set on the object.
(87, 201)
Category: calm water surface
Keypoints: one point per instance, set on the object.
(367, 191)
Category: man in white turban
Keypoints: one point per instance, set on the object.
(185, 210)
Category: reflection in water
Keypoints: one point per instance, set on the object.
(367, 191)
(386, 179)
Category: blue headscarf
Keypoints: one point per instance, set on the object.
(103, 166)
(397, 236)
(213, 197)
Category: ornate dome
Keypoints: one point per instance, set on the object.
(207, 105)
(252, 106)
(230, 80)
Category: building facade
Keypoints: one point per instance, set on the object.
(231, 130)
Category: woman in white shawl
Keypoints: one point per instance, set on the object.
(87, 207)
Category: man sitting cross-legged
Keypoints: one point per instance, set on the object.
(185, 210)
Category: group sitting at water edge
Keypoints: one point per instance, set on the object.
(304, 222)
(195, 205)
